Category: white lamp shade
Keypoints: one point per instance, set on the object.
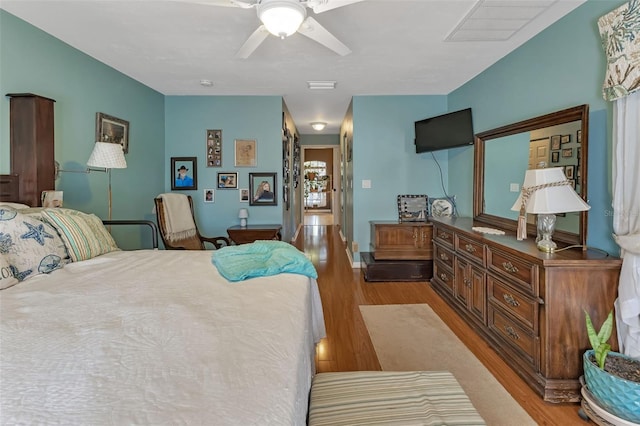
(107, 155)
(243, 214)
(281, 18)
(550, 200)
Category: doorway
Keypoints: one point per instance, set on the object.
(320, 178)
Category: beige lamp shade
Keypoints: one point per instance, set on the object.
(107, 155)
(551, 199)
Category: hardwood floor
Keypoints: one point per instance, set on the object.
(347, 346)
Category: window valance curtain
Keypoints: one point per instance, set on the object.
(620, 33)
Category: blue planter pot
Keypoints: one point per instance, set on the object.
(618, 396)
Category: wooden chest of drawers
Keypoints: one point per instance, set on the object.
(528, 305)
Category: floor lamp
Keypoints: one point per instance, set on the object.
(104, 157)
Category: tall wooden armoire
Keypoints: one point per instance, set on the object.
(32, 145)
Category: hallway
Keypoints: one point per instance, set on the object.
(348, 347)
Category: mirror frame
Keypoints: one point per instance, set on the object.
(556, 118)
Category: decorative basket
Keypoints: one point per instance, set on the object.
(618, 396)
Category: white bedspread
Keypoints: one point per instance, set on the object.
(157, 337)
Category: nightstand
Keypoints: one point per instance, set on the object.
(251, 233)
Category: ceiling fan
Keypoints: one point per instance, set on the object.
(283, 18)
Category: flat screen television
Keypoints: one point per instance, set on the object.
(445, 131)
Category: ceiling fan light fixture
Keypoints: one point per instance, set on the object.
(318, 126)
(281, 17)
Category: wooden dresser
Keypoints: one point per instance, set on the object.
(528, 305)
(400, 251)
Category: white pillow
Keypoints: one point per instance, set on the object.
(7, 279)
(29, 246)
(16, 206)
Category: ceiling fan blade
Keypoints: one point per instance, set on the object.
(252, 42)
(225, 3)
(320, 6)
(312, 29)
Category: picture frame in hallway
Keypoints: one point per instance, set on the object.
(209, 195)
(184, 173)
(113, 130)
(244, 195)
(263, 189)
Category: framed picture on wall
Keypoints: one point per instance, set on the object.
(569, 171)
(555, 156)
(567, 153)
(209, 195)
(262, 189)
(184, 173)
(565, 139)
(228, 180)
(555, 143)
(246, 155)
(113, 130)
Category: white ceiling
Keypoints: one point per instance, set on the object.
(399, 47)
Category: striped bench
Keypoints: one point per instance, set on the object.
(389, 398)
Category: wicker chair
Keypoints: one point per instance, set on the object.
(195, 242)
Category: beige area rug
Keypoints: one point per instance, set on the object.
(413, 337)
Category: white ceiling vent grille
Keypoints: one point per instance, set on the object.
(495, 20)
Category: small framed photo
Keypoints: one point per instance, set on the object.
(246, 155)
(244, 195)
(440, 207)
(262, 189)
(184, 173)
(113, 130)
(555, 156)
(555, 141)
(565, 139)
(228, 180)
(214, 148)
(579, 136)
(570, 171)
(412, 208)
(51, 198)
(567, 153)
(209, 195)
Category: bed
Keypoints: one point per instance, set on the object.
(152, 337)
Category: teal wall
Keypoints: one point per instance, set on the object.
(33, 62)
(239, 117)
(321, 139)
(384, 153)
(561, 67)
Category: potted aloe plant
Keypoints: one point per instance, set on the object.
(611, 377)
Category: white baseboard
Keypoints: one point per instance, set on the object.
(342, 237)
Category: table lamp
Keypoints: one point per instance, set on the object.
(243, 214)
(546, 192)
(106, 156)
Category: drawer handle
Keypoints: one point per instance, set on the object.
(444, 277)
(444, 257)
(508, 266)
(415, 235)
(443, 236)
(467, 282)
(511, 332)
(510, 300)
(470, 248)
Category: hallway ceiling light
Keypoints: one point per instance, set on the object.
(281, 18)
(318, 125)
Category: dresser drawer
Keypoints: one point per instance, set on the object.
(443, 236)
(443, 255)
(471, 249)
(443, 275)
(514, 334)
(513, 302)
(524, 274)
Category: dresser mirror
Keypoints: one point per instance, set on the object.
(502, 156)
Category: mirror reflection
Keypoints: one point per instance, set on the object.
(504, 154)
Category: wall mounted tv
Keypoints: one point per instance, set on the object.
(444, 131)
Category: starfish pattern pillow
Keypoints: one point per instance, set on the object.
(29, 246)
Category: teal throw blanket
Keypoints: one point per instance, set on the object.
(261, 259)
